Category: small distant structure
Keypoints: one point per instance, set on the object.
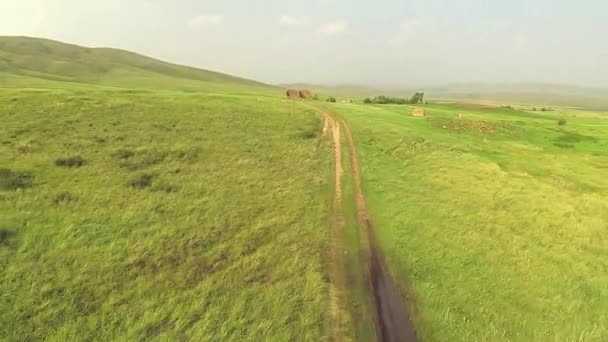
(418, 112)
(293, 94)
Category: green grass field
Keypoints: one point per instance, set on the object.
(195, 210)
(141, 200)
(196, 217)
(495, 223)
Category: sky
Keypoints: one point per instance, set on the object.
(375, 43)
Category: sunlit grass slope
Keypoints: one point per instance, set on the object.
(496, 222)
(129, 215)
(32, 61)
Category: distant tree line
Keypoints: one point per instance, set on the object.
(416, 99)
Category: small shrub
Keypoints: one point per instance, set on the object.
(153, 158)
(64, 197)
(185, 154)
(124, 154)
(388, 100)
(562, 122)
(563, 145)
(142, 181)
(13, 180)
(331, 99)
(6, 234)
(99, 140)
(165, 187)
(308, 135)
(145, 159)
(417, 98)
(25, 148)
(71, 162)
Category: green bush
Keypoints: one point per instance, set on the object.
(13, 180)
(386, 100)
(64, 197)
(71, 162)
(562, 122)
(142, 181)
(6, 234)
(124, 154)
(417, 98)
(331, 99)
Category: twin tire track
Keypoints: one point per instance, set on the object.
(391, 316)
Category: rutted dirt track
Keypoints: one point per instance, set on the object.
(339, 318)
(392, 318)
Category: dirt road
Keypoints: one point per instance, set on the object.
(391, 314)
(340, 319)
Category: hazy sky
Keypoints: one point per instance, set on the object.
(382, 42)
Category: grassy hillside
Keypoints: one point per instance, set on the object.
(32, 60)
(137, 216)
(495, 223)
(141, 200)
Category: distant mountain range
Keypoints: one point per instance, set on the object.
(30, 62)
(521, 93)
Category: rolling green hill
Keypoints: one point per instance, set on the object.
(145, 201)
(35, 61)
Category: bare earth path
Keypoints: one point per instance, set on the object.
(392, 318)
(340, 319)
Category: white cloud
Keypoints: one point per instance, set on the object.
(334, 28)
(205, 20)
(407, 28)
(411, 25)
(484, 38)
(521, 42)
(288, 21)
